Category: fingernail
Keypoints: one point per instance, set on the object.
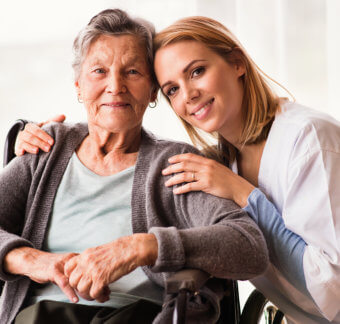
(50, 141)
(46, 148)
(75, 299)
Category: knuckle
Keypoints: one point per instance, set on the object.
(72, 281)
(208, 182)
(209, 163)
(63, 282)
(95, 292)
(183, 164)
(29, 127)
(29, 137)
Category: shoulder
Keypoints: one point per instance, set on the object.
(161, 149)
(65, 129)
(67, 138)
(305, 129)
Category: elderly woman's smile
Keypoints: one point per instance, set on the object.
(115, 83)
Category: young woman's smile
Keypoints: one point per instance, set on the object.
(201, 86)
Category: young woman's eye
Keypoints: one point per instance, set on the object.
(171, 91)
(198, 71)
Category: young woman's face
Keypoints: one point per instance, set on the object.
(202, 87)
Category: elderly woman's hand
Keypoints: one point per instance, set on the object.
(94, 269)
(41, 267)
(33, 138)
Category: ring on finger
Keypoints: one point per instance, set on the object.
(193, 175)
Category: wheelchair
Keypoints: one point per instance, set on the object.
(187, 282)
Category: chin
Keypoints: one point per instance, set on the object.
(209, 127)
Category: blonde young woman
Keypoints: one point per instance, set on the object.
(284, 159)
(276, 148)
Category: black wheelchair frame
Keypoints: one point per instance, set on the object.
(187, 282)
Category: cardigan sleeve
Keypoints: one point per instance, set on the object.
(15, 181)
(219, 238)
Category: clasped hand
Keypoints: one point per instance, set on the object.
(90, 272)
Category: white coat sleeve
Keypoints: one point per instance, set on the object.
(312, 210)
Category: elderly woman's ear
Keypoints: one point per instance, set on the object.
(154, 94)
(76, 84)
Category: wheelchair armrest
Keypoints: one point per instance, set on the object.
(187, 279)
(10, 140)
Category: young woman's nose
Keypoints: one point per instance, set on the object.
(115, 83)
(190, 93)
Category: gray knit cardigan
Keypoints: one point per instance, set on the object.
(195, 230)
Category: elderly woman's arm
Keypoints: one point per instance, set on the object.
(41, 267)
(18, 257)
(222, 240)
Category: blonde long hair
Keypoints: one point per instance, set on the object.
(259, 103)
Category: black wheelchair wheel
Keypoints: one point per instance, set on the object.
(253, 308)
(258, 307)
(278, 317)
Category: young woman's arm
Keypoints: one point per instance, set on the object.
(286, 249)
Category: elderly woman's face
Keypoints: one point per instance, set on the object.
(115, 83)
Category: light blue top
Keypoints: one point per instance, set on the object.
(90, 210)
(286, 249)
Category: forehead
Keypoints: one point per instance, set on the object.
(122, 48)
(180, 53)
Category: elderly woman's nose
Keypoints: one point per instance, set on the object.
(115, 84)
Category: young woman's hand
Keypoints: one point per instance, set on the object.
(93, 270)
(197, 173)
(41, 267)
(33, 138)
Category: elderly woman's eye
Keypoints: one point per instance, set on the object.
(198, 71)
(99, 71)
(132, 71)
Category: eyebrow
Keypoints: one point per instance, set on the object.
(186, 68)
(129, 61)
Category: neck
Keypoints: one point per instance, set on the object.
(232, 132)
(249, 161)
(103, 142)
(106, 153)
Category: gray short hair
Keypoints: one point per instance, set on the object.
(113, 22)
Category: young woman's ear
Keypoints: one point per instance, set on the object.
(240, 68)
(238, 62)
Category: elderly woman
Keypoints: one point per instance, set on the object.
(92, 219)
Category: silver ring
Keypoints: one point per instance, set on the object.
(193, 176)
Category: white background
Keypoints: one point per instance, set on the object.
(295, 42)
